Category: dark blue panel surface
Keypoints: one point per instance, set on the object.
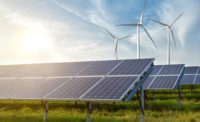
(147, 82)
(156, 69)
(58, 69)
(197, 79)
(191, 70)
(18, 87)
(172, 69)
(74, 88)
(188, 79)
(199, 71)
(20, 70)
(99, 68)
(132, 67)
(44, 87)
(111, 88)
(164, 82)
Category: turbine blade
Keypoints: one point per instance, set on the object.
(127, 25)
(149, 36)
(110, 33)
(173, 37)
(159, 22)
(176, 19)
(142, 15)
(124, 37)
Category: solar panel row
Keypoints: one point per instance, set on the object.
(164, 77)
(93, 68)
(97, 80)
(110, 88)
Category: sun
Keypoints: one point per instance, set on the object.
(35, 42)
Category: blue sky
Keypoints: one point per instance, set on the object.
(71, 30)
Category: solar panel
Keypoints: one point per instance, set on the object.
(164, 77)
(191, 70)
(156, 69)
(58, 69)
(20, 70)
(164, 82)
(132, 67)
(197, 81)
(111, 88)
(171, 69)
(99, 68)
(73, 80)
(39, 91)
(74, 88)
(188, 79)
(191, 76)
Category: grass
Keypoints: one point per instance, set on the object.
(159, 106)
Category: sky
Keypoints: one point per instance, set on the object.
(33, 31)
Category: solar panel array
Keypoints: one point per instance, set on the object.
(164, 77)
(191, 76)
(94, 80)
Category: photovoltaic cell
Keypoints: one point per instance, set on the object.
(156, 69)
(6, 68)
(58, 69)
(164, 82)
(191, 70)
(20, 70)
(147, 82)
(99, 68)
(188, 79)
(74, 88)
(17, 86)
(111, 88)
(197, 79)
(39, 91)
(199, 71)
(132, 67)
(171, 69)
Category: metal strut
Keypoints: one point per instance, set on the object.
(89, 107)
(45, 110)
(141, 108)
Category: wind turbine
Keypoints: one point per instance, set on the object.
(116, 41)
(168, 27)
(138, 25)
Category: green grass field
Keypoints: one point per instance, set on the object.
(159, 106)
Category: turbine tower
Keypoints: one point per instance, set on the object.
(116, 41)
(138, 25)
(168, 27)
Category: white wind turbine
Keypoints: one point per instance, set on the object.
(168, 27)
(138, 25)
(116, 41)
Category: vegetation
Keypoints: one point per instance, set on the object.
(159, 106)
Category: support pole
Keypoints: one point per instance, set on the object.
(141, 107)
(142, 103)
(45, 110)
(89, 106)
(76, 103)
(179, 97)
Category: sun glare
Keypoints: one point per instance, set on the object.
(36, 41)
